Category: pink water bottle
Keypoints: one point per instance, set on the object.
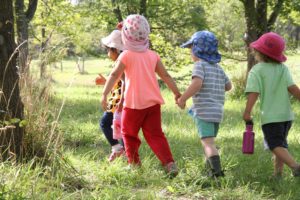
(117, 125)
(248, 139)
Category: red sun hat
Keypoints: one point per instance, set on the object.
(272, 45)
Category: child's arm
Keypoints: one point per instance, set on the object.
(252, 97)
(111, 80)
(165, 76)
(194, 87)
(228, 86)
(295, 91)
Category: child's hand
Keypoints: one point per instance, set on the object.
(120, 107)
(247, 116)
(181, 103)
(177, 96)
(100, 80)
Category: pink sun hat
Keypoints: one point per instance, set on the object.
(272, 45)
(135, 33)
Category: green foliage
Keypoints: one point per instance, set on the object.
(83, 25)
(226, 20)
(239, 82)
(6, 194)
(173, 57)
(176, 20)
(13, 121)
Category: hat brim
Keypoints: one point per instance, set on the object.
(107, 42)
(279, 58)
(216, 58)
(187, 44)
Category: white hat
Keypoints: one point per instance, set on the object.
(114, 40)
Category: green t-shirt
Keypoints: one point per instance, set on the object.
(271, 81)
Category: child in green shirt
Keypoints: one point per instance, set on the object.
(271, 81)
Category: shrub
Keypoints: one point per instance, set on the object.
(239, 84)
(173, 58)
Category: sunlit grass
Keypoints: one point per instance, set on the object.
(247, 176)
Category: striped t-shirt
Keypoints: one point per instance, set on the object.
(208, 102)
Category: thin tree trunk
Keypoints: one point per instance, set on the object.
(22, 32)
(143, 7)
(251, 32)
(22, 20)
(10, 100)
(117, 11)
(297, 34)
(43, 62)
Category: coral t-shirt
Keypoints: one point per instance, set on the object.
(141, 85)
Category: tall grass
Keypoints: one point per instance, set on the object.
(43, 159)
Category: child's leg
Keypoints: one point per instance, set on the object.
(130, 125)
(105, 124)
(284, 156)
(155, 137)
(207, 132)
(278, 166)
(276, 137)
(212, 156)
(209, 147)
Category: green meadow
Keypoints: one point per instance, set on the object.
(76, 105)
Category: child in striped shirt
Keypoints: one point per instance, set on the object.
(207, 89)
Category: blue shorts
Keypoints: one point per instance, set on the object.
(206, 129)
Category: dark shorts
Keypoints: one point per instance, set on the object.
(276, 134)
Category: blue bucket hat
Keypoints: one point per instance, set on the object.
(205, 46)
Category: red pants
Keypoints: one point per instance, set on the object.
(149, 119)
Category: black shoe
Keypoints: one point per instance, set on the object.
(296, 171)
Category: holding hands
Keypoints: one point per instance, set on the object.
(181, 103)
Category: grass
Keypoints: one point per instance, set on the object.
(247, 177)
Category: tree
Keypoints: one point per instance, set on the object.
(22, 20)
(175, 20)
(258, 22)
(228, 24)
(11, 105)
(52, 30)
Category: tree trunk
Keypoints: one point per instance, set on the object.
(143, 7)
(117, 11)
(297, 35)
(10, 100)
(251, 32)
(257, 22)
(43, 61)
(22, 20)
(22, 32)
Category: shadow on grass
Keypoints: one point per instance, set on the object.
(80, 126)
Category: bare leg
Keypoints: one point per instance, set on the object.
(284, 156)
(209, 147)
(212, 156)
(278, 166)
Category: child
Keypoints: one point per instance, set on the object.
(114, 46)
(207, 89)
(142, 98)
(272, 82)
